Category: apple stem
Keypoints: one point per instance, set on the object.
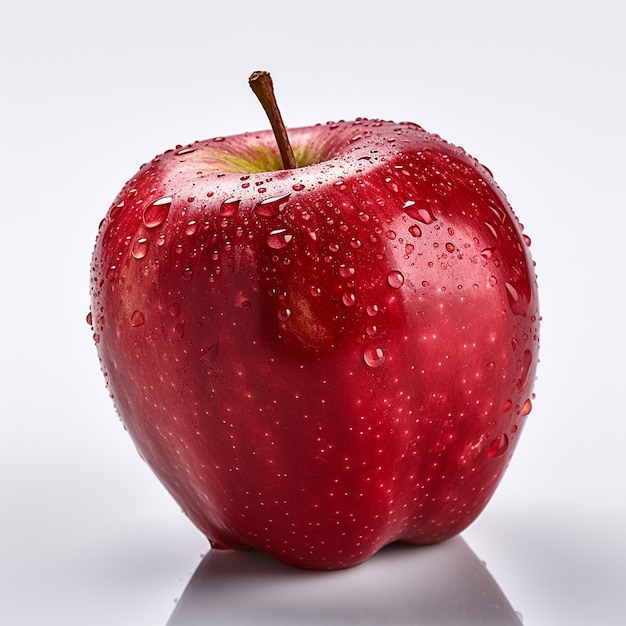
(263, 88)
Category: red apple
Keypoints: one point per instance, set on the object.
(319, 361)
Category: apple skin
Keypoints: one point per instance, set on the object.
(321, 361)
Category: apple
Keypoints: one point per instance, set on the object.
(321, 358)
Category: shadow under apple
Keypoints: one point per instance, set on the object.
(442, 584)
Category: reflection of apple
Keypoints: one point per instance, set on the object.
(319, 361)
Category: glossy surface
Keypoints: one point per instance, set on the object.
(321, 361)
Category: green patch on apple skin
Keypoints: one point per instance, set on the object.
(263, 158)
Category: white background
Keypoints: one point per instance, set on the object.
(89, 91)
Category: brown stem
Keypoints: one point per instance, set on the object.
(261, 84)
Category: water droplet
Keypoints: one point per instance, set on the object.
(391, 234)
(284, 314)
(96, 338)
(518, 295)
(450, 247)
(374, 357)
(278, 239)
(137, 319)
(156, 212)
(191, 227)
(498, 211)
(493, 281)
(187, 273)
(415, 230)
(229, 207)
(492, 229)
(271, 207)
(372, 310)
(209, 358)
(187, 150)
(523, 369)
(507, 406)
(116, 210)
(527, 240)
(421, 212)
(498, 446)
(355, 243)
(298, 187)
(487, 253)
(527, 408)
(140, 248)
(348, 298)
(112, 272)
(346, 272)
(392, 185)
(89, 319)
(395, 279)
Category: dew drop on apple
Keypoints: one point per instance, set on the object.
(191, 227)
(284, 314)
(229, 207)
(137, 319)
(372, 310)
(518, 295)
(527, 408)
(140, 248)
(374, 356)
(348, 298)
(421, 213)
(395, 279)
(116, 210)
(278, 239)
(271, 207)
(156, 212)
(415, 230)
(345, 271)
(392, 185)
(187, 274)
(498, 446)
(523, 369)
